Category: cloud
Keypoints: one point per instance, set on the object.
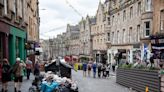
(58, 14)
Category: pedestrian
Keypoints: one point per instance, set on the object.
(113, 65)
(28, 67)
(6, 77)
(89, 67)
(36, 69)
(104, 71)
(99, 69)
(18, 71)
(152, 60)
(107, 70)
(94, 66)
(84, 69)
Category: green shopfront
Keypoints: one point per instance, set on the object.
(17, 40)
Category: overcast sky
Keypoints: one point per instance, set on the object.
(56, 14)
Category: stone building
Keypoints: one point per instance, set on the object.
(130, 25)
(72, 40)
(85, 36)
(99, 36)
(14, 22)
(33, 27)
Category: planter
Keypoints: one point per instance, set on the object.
(138, 79)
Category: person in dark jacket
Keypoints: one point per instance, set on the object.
(84, 69)
(5, 75)
(94, 66)
(36, 69)
(99, 66)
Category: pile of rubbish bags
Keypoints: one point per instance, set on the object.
(49, 82)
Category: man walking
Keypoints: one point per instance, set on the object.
(84, 69)
(28, 67)
(18, 74)
(94, 69)
(99, 69)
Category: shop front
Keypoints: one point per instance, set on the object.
(4, 32)
(120, 54)
(157, 46)
(100, 56)
(17, 39)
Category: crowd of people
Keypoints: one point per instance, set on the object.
(99, 69)
(16, 72)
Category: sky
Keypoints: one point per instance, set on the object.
(56, 14)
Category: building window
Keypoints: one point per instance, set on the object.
(108, 36)
(131, 12)
(112, 37)
(130, 38)
(117, 35)
(108, 20)
(6, 6)
(1, 11)
(162, 20)
(139, 8)
(99, 17)
(148, 4)
(22, 10)
(138, 33)
(124, 15)
(123, 37)
(147, 28)
(113, 20)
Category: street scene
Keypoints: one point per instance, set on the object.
(81, 45)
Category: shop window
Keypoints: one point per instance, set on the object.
(147, 28)
(17, 47)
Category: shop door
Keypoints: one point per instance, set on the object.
(1, 47)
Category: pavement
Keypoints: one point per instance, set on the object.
(90, 84)
(85, 84)
(25, 84)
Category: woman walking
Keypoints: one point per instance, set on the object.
(5, 75)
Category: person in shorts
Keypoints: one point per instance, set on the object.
(18, 74)
(84, 69)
